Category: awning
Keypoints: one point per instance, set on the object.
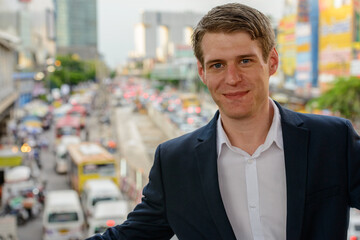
(9, 41)
(9, 158)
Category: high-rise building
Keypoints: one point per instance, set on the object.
(76, 27)
(160, 34)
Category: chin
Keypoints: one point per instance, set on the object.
(233, 114)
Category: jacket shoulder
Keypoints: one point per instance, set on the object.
(315, 121)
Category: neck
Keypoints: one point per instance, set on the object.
(249, 133)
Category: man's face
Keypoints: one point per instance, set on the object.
(236, 74)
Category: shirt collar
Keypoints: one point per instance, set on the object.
(274, 134)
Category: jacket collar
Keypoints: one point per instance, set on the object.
(295, 138)
(207, 164)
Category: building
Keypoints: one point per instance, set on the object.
(160, 34)
(76, 28)
(26, 43)
(8, 93)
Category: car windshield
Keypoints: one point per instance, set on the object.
(357, 227)
(63, 217)
(96, 200)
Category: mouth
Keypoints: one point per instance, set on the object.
(236, 95)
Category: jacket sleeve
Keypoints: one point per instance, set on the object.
(148, 219)
(353, 166)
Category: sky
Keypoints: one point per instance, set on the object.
(117, 19)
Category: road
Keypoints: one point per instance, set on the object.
(32, 230)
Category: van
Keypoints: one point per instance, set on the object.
(97, 190)
(107, 214)
(63, 217)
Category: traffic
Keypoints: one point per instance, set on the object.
(63, 174)
(52, 150)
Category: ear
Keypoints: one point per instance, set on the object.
(273, 61)
(201, 72)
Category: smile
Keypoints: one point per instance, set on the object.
(236, 95)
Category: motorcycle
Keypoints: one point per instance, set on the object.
(15, 207)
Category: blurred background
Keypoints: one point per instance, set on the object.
(109, 80)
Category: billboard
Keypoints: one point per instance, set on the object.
(303, 57)
(303, 11)
(335, 40)
(287, 45)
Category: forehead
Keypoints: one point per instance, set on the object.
(229, 44)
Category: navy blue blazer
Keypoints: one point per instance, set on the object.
(322, 162)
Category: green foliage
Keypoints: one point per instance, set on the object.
(72, 71)
(113, 74)
(344, 98)
(147, 75)
(76, 78)
(55, 81)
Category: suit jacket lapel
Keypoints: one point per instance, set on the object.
(207, 163)
(295, 141)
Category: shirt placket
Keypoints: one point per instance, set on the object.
(252, 189)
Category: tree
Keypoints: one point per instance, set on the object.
(72, 71)
(343, 97)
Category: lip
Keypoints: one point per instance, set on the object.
(236, 95)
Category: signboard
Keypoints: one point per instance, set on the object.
(335, 41)
(303, 56)
(8, 158)
(287, 44)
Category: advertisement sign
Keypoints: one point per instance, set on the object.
(287, 44)
(303, 56)
(335, 40)
(303, 11)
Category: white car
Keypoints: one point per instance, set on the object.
(98, 190)
(107, 214)
(61, 161)
(63, 217)
(70, 139)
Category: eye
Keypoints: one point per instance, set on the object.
(217, 65)
(244, 61)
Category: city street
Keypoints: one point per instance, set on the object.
(132, 128)
(32, 230)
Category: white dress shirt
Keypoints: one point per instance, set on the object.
(253, 187)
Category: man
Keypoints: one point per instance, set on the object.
(256, 170)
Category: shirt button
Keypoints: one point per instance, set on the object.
(250, 161)
(253, 206)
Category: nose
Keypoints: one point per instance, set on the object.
(233, 74)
